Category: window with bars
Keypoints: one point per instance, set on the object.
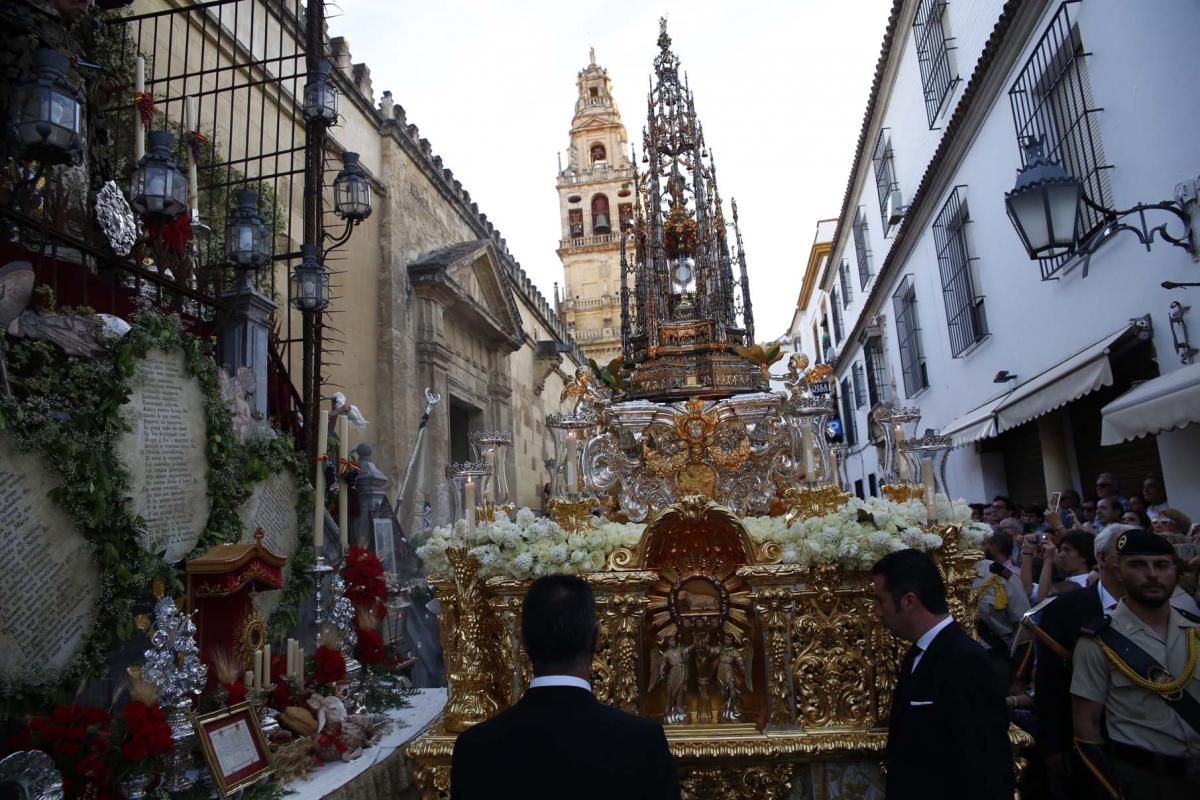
(885, 175)
(861, 249)
(933, 55)
(835, 308)
(849, 429)
(908, 337)
(1052, 100)
(860, 387)
(965, 318)
(876, 371)
(847, 286)
(873, 483)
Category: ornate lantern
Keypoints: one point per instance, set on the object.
(247, 239)
(321, 97)
(928, 456)
(1045, 205)
(351, 191)
(310, 281)
(47, 111)
(159, 188)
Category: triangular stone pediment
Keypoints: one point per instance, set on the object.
(469, 280)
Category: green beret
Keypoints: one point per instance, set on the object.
(1141, 543)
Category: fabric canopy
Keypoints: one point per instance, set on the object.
(1167, 402)
(1082, 373)
(974, 425)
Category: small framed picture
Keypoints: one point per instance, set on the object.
(234, 747)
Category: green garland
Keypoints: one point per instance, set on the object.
(68, 410)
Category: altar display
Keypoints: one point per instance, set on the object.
(731, 569)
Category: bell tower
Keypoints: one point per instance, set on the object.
(595, 197)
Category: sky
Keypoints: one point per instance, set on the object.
(780, 88)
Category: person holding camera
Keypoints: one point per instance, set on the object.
(1001, 600)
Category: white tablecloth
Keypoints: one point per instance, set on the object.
(412, 722)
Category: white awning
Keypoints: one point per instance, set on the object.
(1082, 373)
(1167, 402)
(974, 425)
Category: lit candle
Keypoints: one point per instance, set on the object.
(300, 665)
(901, 460)
(258, 681)
(266, 665)
(249, 679)
(291, 658)
(833, 466)
(470, 503)
(319, 496)
(343, 485)
(191, 123)
(139, 87)
(489, 493)
(927, 480)
(572, 457)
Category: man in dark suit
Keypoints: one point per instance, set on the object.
(558, 741)
(948, 730)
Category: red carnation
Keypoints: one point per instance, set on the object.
(331, 665)
(365, 585)
(370, 647)
(235, 693)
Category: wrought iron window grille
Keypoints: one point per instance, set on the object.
(876, 371)
(835, 308)
(1052, 100)
(849, 428)
(847, 286)
(862, 250)
(860, 389)
(885, 176)
(938, 76)
(908, 338)
(966, 321)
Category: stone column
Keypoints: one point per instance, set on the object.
(244, 339)
(371, 488)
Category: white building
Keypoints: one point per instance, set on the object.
(927, 291)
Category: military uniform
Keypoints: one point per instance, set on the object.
(1154, 749)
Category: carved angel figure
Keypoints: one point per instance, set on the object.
(583, 391)
(669, 664)
(706, 654)
(733, 673)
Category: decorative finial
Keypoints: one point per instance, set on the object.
(664, 41)
(591, 56)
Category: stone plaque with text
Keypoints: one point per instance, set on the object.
(50, 585)
(165, 454)
(272, 507)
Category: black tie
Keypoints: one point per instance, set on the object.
(917, 650)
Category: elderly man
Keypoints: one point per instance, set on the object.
(1057, 634)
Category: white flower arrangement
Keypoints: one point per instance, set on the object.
(531, 546)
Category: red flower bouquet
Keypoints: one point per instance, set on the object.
(147, 734)
(365, 585)
(370, 647)
(77, 738)
(331, 665)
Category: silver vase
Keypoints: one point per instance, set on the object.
(179, 760)
(136, 785)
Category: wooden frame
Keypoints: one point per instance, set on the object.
(233, 727)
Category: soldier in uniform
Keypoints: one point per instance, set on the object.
(1138, 667)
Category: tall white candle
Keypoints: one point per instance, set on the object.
(249, 679)
(191, 123)
(470, 503)
(266, 665)
(291, 657)
(300, 665)
(258, 681)
(139, 87)
(343, 486)
(572, 457)
(319, 497)
(489, 458)
(927, 480)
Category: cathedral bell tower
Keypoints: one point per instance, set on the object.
(596, 199)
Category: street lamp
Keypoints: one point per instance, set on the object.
(47, 111)
(247, 239)
(310, 281)
(351, 191)
(321, 96)
(1046, 207)
(159, 188)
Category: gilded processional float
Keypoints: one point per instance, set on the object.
(731, 570)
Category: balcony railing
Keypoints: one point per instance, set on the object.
(596, 174)
(580, 304)
(587, 241)
(593, 334)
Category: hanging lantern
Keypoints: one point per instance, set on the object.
(159, 188)
(247, 240)
(310, 281)
(321, 97)
(47, 111)
(1046, 205)
(351, 191)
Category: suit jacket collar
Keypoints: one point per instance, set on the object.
(938, 646)
(557, 695)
